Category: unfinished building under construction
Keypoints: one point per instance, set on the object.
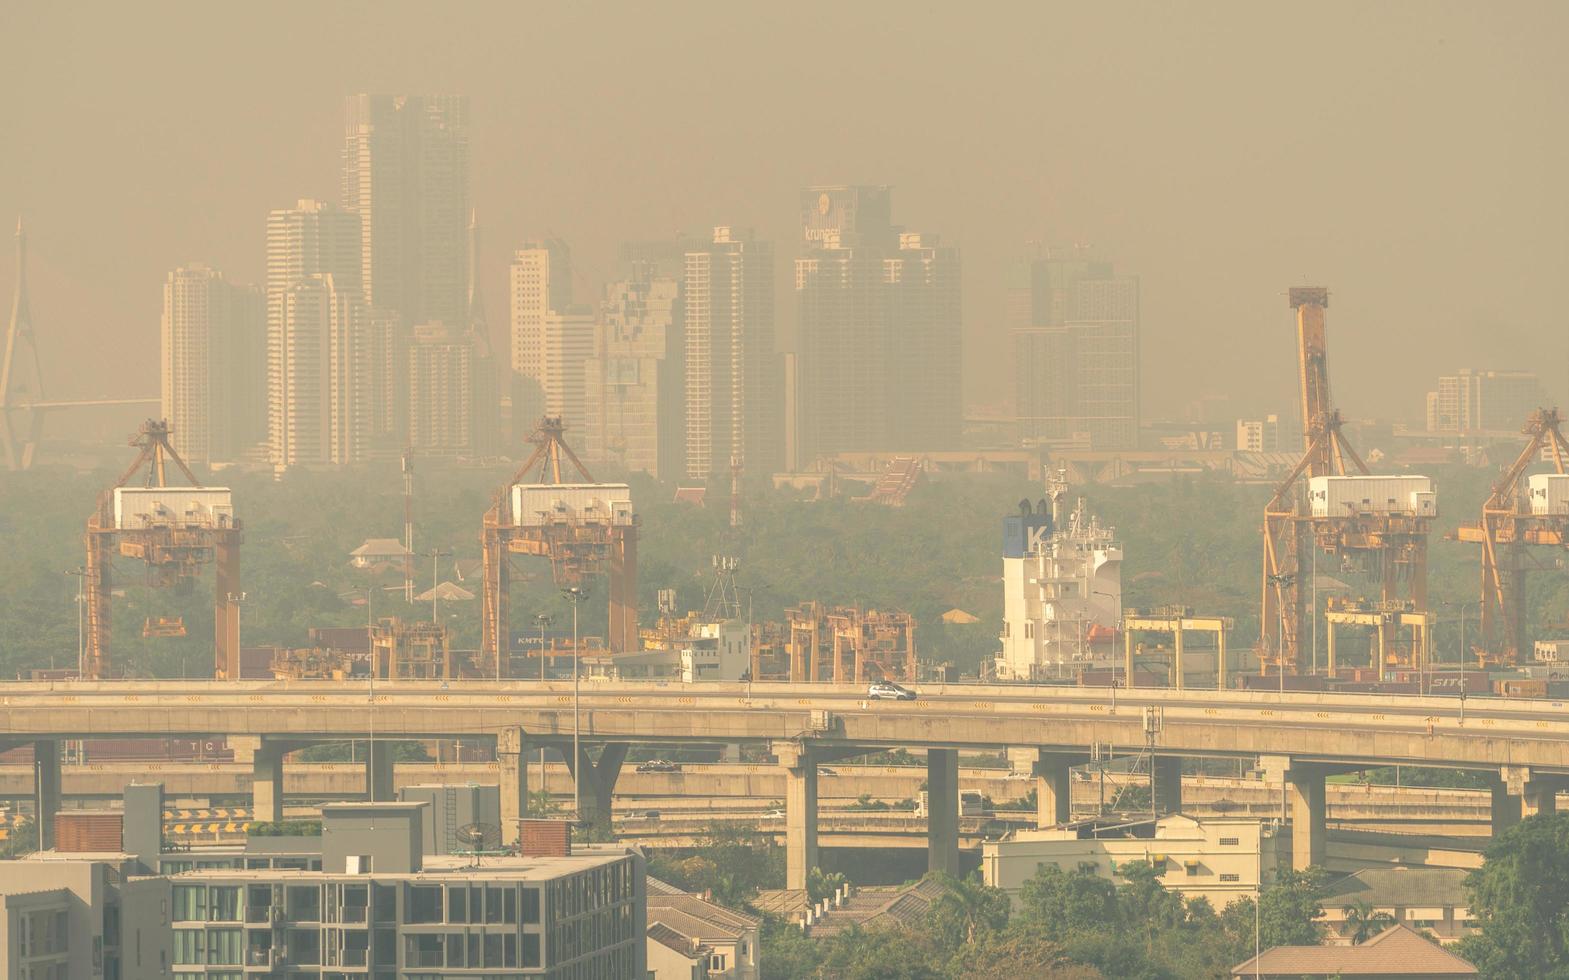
(839, 645)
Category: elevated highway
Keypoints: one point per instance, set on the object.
(1301, 738)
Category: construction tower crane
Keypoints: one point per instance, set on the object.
(1378, 523)
(173, 530)
(584, 528)
(1511, 520)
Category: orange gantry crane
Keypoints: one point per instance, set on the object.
(1512, 520)
(173, 530)
(1385, 532)
(583, 528)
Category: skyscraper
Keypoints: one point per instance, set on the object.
(213, 345)
(320, 410)
(732, 370)
(568, 342)
(1483, 401)
(879, 364)
(1076, 350)
(926, 401)
(406, 172)
(633, 382)
(541, 282)
(441, 371)
(486, 387)
(316, 244)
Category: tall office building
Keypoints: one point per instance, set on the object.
(732, 371)
(313, 243)
(540, 283)
(441, 377)
(1076, 350)
(406, 172)
(213, 343)
(926, 354)
(1483, 401)
(487, 373)
(568, 342)
(320, 409)
(880, 328)
(634, 380)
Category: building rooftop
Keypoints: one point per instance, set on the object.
(867, 907)
(700, 918)
(673, 939)
(437, 867)
(375, 548)
(1399, 888)
(1398, 951)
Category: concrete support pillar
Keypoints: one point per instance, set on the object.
(1306, 809)
(800, 768)
(378, 775)
(512, 759)
(1530, 794)
(46, 801)
(1053, 775)
(1303, 804)
(1166, 784)
(942, 810)
(596, 782)
(267, 781)
(1506, 808)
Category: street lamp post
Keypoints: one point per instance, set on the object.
(576, 594)
(544, 620)
(80, 574)
(370, 742)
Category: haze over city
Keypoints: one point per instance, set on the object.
(1404, 154)
(795, 491)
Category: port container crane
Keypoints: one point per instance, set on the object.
(583, 528)
(1520, 511)
(173, 530)
(1379, 523)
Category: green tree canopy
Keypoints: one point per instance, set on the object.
(1520, 895)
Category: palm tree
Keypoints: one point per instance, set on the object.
(968, 906)
(1363, 923)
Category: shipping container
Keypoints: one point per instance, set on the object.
(1549, 494)
(88, 832)
(1520, 688)
(1271, 682)
(1344, 496)
(1375, 687)
(536, 504)
(143, 507)
(1454, 682)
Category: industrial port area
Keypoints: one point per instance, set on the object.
(755, 492)
(651, 734)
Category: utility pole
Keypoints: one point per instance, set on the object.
(408, 525)
(576, 594)
(436, 555)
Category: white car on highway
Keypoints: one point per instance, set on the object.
(889, 691)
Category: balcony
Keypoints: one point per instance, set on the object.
(258, 956)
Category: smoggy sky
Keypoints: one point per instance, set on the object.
(1410, 156)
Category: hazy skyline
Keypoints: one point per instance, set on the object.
(1408, 156)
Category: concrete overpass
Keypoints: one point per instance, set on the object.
(1300, 737)
(746, 790)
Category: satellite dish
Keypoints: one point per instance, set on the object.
(478, 839)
